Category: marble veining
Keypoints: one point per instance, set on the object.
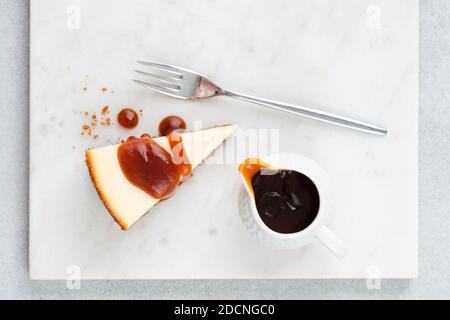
(357, 58)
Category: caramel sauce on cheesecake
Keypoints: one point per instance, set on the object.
(151, 168)
(179, 156)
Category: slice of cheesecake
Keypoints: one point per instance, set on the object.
(127, 202)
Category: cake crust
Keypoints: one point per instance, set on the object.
(92, 173)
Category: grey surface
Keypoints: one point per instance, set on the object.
(434, 184)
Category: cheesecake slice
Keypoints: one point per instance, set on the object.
(126, 201)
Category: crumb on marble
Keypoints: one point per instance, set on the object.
(106, 122)
(105, 110)
(95, 119)
(105, 119)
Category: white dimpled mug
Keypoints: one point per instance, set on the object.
(317, 230)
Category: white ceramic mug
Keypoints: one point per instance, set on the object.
(316, 230)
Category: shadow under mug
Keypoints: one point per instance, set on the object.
(317, 230)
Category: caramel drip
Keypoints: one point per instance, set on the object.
(128, 118)
(171, 123)
(179, 156)
(249, 167)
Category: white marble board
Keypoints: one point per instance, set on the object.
(358, 58)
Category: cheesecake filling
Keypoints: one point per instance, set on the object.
(151, 168)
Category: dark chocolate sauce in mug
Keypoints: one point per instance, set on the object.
(287, 201)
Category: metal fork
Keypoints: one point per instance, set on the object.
(186, 84)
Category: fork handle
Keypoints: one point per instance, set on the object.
(312, 114)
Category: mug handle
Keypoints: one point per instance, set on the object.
(332, 242)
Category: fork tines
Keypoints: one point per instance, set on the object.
(165, 78)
